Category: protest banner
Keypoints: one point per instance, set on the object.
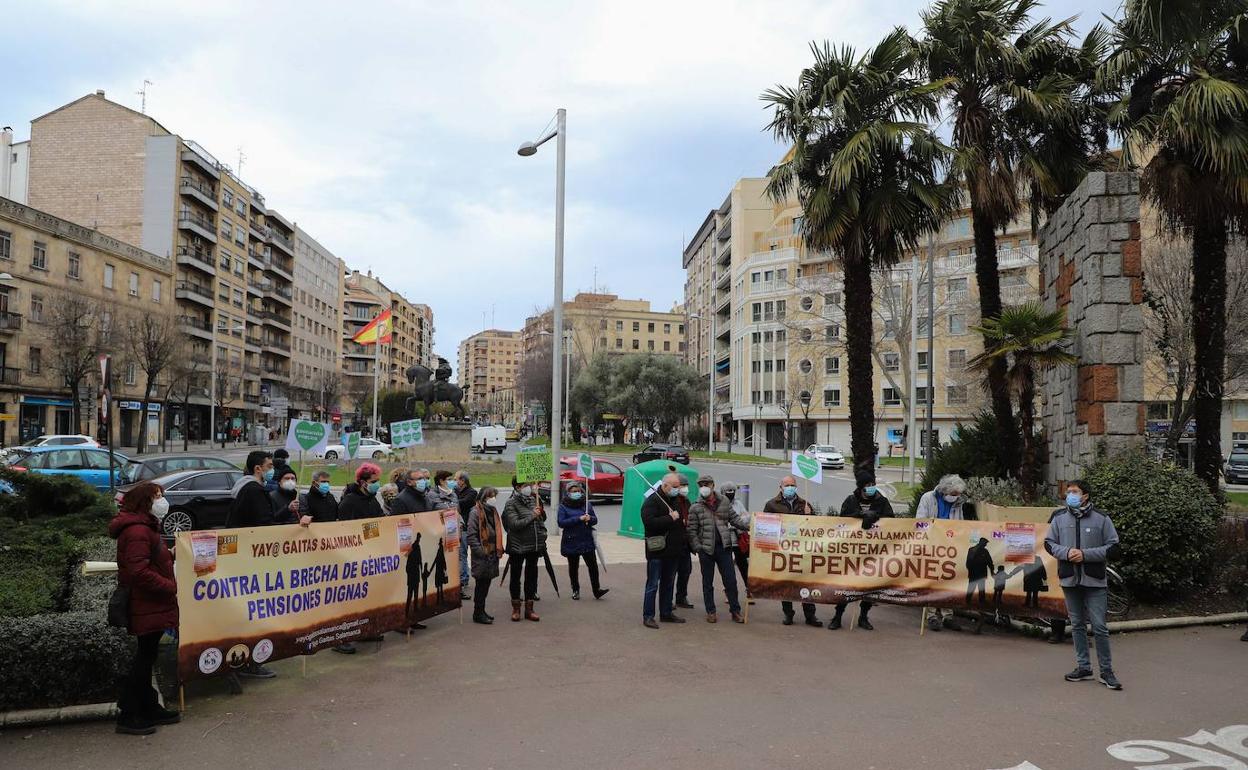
(267, 593)
(307, 436)
(918, 562)
(406, 433)
(533, 464)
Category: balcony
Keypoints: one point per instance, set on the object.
(196, 327)
(724, 258)
(10, 375)
(255, 288)
(278, 350)
(281, 266)
(258, 229)
(725, 230)
(203, 164)
(257, 202)
(1019, 256)
(195, 292)
(274, 319)
(275, 372)
(10, 322)
(353, 350)
(254, 344)
(281, 241)
(255, 259)
(205, 194)
(277, 291)
(725, 281)
(251, 398)
(198, 224)
(200, 259)
(275, 344)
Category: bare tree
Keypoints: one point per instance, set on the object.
(1168, 325)
(228, 387)
(187, 377)
(151, 341)
(328, 385)
(79, 329)
(359, 392)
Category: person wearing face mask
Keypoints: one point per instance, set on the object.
(281, 464)
(465, 499)
(414, 497)
(484, 533)
(788, 501)
(525, 522)
(442, 494)
(946, 501)
(359, 499)
(285, 498)
(666, 544)
(252, 506)
(145, 567)
(870, 505)
(740, 545)
(1083, 539)
(684, 564)
(577, 520)
(318, 505)
(712, 526)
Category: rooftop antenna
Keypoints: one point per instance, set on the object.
(142, 93)
(241, 158)
(492, 307)
(595, 279)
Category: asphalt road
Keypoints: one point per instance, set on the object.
(589, 687)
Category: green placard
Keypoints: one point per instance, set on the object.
(406, 433)
(585, 465)
(807, 467)
(352, 445)
(533, 464)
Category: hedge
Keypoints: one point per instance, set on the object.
(41, 495)
(36, 567)
(61, 659)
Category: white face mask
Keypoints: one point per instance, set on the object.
(526, 491)
(951, 498)
(684, 490)
(289, 486)
(160, 506)
(704, 491)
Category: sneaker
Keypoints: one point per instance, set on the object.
(135, 725)
(257, 671)
(1109, 680)
(163, 716)
(835, 623)
(1079, 675)
(671, 619)
(576, 596)
(418, 627)
(649, 623)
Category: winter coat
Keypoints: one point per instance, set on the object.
(796, 506)
(321, 508)
(440, 499)
(252, 506)
(578, 536)
(657, 520)
(929, 508)
(410, 501)
(280, 499)
(710, 515)
(978, 562)
(526, 533)
(483, 534)
(869, 509)
(467, 499)
(1090, 531)
(145, 566)
(357, 503)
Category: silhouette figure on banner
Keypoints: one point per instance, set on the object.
(999, 581)
(439, 571)
(415, 562)
(978, 567)
(1035, 578)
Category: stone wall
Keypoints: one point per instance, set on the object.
(1090, 265)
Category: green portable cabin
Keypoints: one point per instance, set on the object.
(640, 479)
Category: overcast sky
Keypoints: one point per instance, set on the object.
(388, 130)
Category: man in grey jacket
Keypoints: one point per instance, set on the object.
(712, 529)
(1083, 539)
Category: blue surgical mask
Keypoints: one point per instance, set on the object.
(870, 491)
(268, 475)
(422, 485)
(575, 495)
(323, 487)
(373, 486)
(789, 491)
(1074, 499)
(673, 492)
(451, 484)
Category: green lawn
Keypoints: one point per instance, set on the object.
(901, 462)
(735, 456)
(1237, 500)
(904, 491)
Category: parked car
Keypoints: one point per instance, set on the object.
(608, 480)
(198, 499)
(513, 434)
(87, 463)
(672, 452)
(828, 455)
(55, 440)
(1236, 470)
(369, 447)
(489, 438)
(150, 468)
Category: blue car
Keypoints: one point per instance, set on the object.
(87, 463)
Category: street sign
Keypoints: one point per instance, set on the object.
(807, 467)
(406, 433)
(306, 436)
(585, 465)
(352, 445)
(533, 464)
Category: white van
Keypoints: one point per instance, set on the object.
(489, 438)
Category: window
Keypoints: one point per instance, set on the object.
(892, 362)
(240, 235)
(805, 366)
(804, 335)
(649, 344)
(781, 335)
(667, 328)
(769, 365)
(619, 343)
(650, 327)
(779, 396)
(832, 299)
(920, 394)
(892, 397)
(782, 274)
(893, 292)
(807, 303)
(756, 337)
(755, 397)
(108, 276)
(767, 396)
(156, 290)
(780, 305)
(36, 307)
(955, 395)
(636, 326)
(681, 347)
(636, 344)
(106, 322)
(223, 291)
(602, 324)
(957, 360)
(682, 329)
(667, 345)
(922, 326)
(832, 332)
(75, 265)
(224, 258)
(957, 323)
(923, 361)
(132, 373)
(832, 365)
(134, 284)
(831, 396)
(757, 314)
(781, 364)
(890, 328)
(34, 363)
(619, 326)
(797, 225)
(227, 197)
(6, 244)
(756, 366)
(956, 287)
(602, 342)
(238, 297)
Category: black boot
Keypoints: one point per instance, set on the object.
(864, 622)
(133, 724)
(482, 618)
(835, 623)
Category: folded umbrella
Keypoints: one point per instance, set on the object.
(550, 570)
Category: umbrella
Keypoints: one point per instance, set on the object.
(550, 570)
(602, 560)
(506, 566)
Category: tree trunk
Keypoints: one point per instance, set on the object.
(1180, 409)
(989, 283)
(186, 426)
(858, 342)
(1026, 413)
(1209, 338)
(75, 407)
(140, 443)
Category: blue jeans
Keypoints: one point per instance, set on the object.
(721, 560)
(1087, 605)
(661, 580)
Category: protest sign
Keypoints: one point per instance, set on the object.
(307, 436)
(406, 433)
(807, 467)
(267, 593)
(351, 443)
(533, 464)
(983, 566)
(585, 465)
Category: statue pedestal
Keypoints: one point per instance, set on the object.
(444, 442)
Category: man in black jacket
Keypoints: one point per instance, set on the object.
(978, 567)
(252, 506)
(788, 501)
(281, 465)
(666, 544)
(867, 503)
(413, 498)
(318, 504)
(467, 499)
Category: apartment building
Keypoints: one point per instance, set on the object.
(488, 371)
(604, 323)
(105, 166)
(46, 260)
(316, 350)
(14, 166)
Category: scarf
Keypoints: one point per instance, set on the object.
(944, 508)
(492, 545)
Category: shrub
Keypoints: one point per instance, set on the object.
(61, 659)
(36, 565)
(1167, 521)
(697, 437)
(90, 593)
(41, 495)
(996, 491)
(972, 452)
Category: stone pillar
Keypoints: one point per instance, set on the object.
(1090, 266)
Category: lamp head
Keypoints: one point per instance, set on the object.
(527, 149)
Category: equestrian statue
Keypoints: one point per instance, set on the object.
(431, 387)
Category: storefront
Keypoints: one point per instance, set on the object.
(41, 415)
(131, 423)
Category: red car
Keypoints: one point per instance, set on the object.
(608, 478)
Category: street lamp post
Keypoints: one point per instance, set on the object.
(560, 133)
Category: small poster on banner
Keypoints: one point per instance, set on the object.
(204, 547)
(404, 527)
(768, 529)
(1020, 542)
(450, 521)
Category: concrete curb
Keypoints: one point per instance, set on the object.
(63, 715)
(696, 460)
(1154, 624)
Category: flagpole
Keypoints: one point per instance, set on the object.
(376, 366)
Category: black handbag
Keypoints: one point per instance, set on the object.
(656, 544)
(119, 607)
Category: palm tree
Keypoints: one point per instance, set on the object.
(1025, 340)
(865, 167)
(1183, 72)
(1010, 89)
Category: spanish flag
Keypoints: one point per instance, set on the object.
(378, 329)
